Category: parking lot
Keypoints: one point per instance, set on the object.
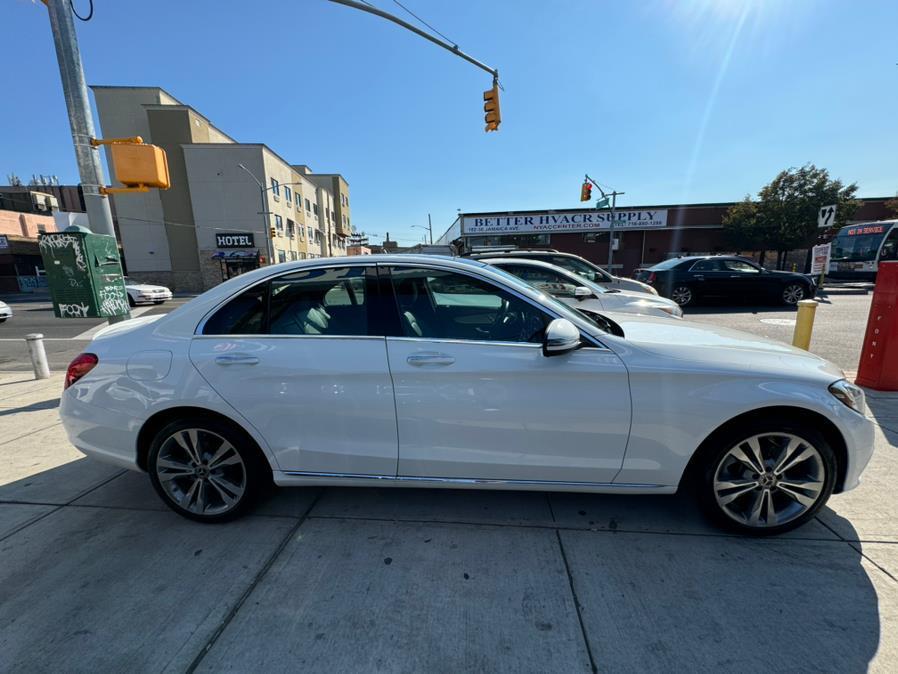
(97, 575)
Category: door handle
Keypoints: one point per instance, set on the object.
(424, 359)
(699, 277)
(236, 359)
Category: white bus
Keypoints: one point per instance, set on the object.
(858, 249)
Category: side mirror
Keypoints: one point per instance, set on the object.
(561, 337)
(582, 292)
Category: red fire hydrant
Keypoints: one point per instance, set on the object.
(878, 368)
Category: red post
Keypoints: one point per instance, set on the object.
(878, 367)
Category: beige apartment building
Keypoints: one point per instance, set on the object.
(231, 207)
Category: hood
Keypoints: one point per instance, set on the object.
(144, 287)
(719, 348)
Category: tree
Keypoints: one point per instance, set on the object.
(784, 217)
(892, 205)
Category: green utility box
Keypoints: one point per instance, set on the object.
(84, 272)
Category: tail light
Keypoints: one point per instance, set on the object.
(651, 278)
(83, 363)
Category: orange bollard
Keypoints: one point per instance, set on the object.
(878, 367)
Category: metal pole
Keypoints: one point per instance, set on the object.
(266, 224)
(80, 118)
(427, 36)
(430, 228)
(35, 342)
(611, 232)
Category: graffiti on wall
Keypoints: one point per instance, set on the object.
(73, 310)
(58, 243)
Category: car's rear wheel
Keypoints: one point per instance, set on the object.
(767, 479)
(205, 469)
(131, 302)
(682, 295)
(793, 293)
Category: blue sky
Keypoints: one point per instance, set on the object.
(670, 101)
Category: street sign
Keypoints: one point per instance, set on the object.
(820, 258)
(826, 216)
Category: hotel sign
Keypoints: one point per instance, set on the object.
(239, 240)
(564, 221)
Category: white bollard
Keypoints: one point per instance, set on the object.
(35, 343)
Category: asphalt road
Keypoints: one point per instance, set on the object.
(838, 330)
(63, 338)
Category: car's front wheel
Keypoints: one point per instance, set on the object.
(793, 293)
(205, 469)
(682, 295)
(767, 479)
(131, 302)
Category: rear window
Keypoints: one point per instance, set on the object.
(672, 263)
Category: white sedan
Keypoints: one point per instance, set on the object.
(584, 295)
(146, 293)
(408, 370)
(5, 311)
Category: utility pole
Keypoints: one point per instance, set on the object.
(266, 221)
(429, 229)
(81, 120)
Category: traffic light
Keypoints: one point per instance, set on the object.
(274, 232)
(492, 116)
(135, 164)
(586, 191)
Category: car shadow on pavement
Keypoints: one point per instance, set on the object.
(33, 407)
(638, 582)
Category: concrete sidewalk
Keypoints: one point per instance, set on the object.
(97, 575)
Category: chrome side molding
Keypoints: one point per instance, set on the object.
(470, 481)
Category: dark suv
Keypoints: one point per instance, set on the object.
(687, 280)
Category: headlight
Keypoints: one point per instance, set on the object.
(850, 395)
(674, 311)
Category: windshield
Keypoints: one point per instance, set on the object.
(559, 307)
(858, 242)
(581, 268)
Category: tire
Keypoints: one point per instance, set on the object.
(725, 481)
(793, 293)
(3, 320)
(131, 302)
(200, 489)
(682, 294)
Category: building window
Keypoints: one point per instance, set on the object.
(333, 217)
(275, 187)
(315, 208)
(288, 194)
(282, 256)
(279, 223)
(308, 205)
(291, 231)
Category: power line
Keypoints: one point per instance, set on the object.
(454, 43)
(90, 14)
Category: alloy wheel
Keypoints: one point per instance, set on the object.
(201, 471)
(682, 295)
(769, 479)
(793, 293)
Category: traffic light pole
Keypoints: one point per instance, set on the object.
(605, 196)
(427, 36)
(81, 120)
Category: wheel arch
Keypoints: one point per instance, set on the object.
(160, 419)
(794, 414)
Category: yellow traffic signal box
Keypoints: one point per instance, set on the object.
(140, 165)
(492, 115)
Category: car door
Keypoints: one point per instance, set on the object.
(303, 360)
(477, 399)
(743, 279)
(707, 278)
